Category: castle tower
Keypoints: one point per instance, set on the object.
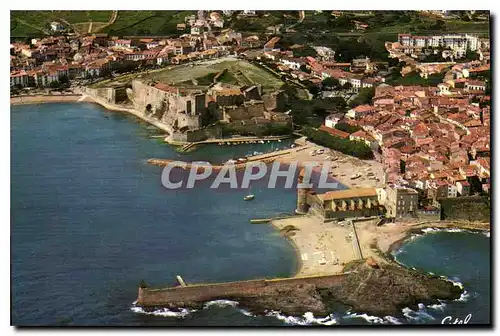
(302, 206)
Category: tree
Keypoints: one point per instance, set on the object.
(304, 68)
(63, 79)
(345, 127)
(439, 25)
(331, 83)
(364, 96)
(305, 51)
(355, 148)
(313, 89)
(54, 84)
(471, 55)
(347, 86)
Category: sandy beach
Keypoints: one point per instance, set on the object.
(325, 248)
(39, 99)
(321, 248)
(343, 167)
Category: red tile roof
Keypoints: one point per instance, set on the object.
(334, 132)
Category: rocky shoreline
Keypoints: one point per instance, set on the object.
(418, 230)
(383, 291)
(380, 291)
(377, 286)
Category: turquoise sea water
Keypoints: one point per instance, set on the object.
(90, 219)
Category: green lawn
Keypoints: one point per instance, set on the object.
(239, 71)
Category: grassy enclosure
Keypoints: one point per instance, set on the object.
(239, 72)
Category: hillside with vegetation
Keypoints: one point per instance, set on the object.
(34, 23)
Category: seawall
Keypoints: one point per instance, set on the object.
(199, 293)
(115, 107)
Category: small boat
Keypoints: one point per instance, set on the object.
(249, 197)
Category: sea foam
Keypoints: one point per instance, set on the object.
(417, 316)
(306, 319)
(183, 312)
(373, 319)
(164, 312)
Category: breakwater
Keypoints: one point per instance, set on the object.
(234, 140)
(380, 289)
(191, 295)
(264, 158)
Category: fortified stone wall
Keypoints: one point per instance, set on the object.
(198, 134)
(245, 112)
(230, 100)
(274, 101)
(182, 111)
(201, 293)
(108, 94)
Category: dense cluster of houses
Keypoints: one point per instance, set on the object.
(359, 73)
(434, 141)
(54, 59)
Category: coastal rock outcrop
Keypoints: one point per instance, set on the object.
(387, 290)
(379, 291)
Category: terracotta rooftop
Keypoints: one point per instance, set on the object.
(349, 193)
(363, 108)
(334, 132)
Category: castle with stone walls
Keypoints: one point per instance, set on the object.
(181, 108)
(186, 109)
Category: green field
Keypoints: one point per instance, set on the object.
(21, 29)
(147, 22)
(128, 22)
(33, 23)
(240, 72)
